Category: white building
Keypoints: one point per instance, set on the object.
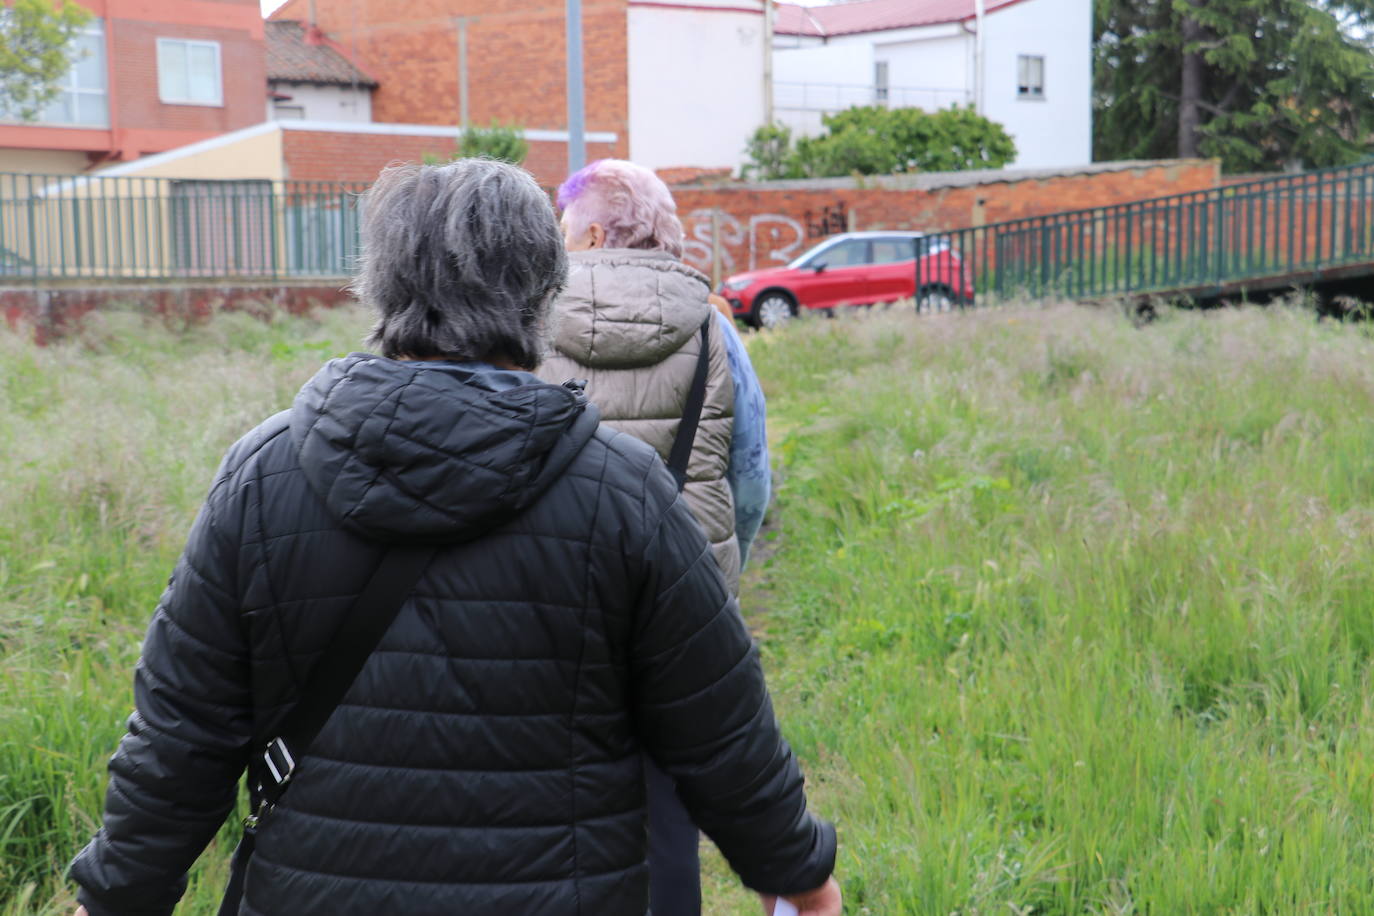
(1026, 64)
(311, 78)
(695, 80)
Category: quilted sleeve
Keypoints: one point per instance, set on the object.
(174, 777)
(704, 713)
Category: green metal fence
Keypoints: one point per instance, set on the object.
(1294, 228)
(64, 227)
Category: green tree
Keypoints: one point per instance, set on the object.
(1259, 84)
(36, 51)
(874, 140)
(770, 153)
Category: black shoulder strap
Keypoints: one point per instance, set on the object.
(368, 618)
(691, 411)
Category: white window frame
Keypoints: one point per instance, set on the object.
(219, 72)
(1026, 89)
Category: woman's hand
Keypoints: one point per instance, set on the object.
(825, 900)
(81, 911)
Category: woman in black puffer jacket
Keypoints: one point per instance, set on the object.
(486, 760)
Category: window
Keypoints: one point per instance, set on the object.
(188, 72)
(928, 245)
(880, 82)
(890, 251)
(83, 99)
(1030, 77)
(288, 112)
(850, 253)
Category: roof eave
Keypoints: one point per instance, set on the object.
(316, 81)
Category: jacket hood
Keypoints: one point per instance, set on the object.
(626, 308)
(412, 452)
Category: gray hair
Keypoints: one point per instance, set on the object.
(461, 260)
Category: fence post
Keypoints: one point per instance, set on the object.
(33, 231)
(715, 249)
(272, 218)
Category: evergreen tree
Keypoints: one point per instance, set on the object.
(1259, 84)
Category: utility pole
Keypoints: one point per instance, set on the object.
(979, 64)
(768, 62)
(577, 134)
(461, 22)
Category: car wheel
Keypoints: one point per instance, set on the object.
(934, 299)
(773, 309)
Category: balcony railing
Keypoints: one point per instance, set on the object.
(828, 98)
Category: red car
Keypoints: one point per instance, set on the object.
(856, 268)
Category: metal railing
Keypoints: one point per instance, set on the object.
(828, 98)
(1294, 228)
(55, 227)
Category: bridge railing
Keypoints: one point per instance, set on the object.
(56, 227)
(1296, 225)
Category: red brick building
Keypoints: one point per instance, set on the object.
(677, 82)
(151, 77)
(513, 51)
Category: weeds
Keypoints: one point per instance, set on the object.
(1063, 615)
(1072, 616)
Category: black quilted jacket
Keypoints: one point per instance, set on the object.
(487, 759)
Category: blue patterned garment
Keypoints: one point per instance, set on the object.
(749, 476)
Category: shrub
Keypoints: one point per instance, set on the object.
(495, 141)
(873, 140)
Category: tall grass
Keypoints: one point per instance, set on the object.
(1064, 616)
(1072, 617)
(107, 446)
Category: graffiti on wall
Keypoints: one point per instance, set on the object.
(764, 238)
(832, 219)
(761, 240)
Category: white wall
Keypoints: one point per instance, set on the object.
(695, 83)
(1056, 130)
(928, 68)
(322, 103)
(931, 72)
(933, 67)
(808, 82)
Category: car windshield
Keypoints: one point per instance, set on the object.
(810, 253)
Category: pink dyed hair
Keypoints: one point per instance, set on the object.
(630, 202)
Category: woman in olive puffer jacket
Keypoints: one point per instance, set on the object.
(630, 323)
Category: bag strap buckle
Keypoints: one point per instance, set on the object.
(280, 762)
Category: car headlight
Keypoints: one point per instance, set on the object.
(737, 284)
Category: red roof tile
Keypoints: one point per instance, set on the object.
(874, 16)
(293, 59)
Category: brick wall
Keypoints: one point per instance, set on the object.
(516, 60)
(139, 122)
(243, 74)
(767, 224)
(321, 156)
(52, 314)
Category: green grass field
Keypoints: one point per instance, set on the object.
(1062, 615)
